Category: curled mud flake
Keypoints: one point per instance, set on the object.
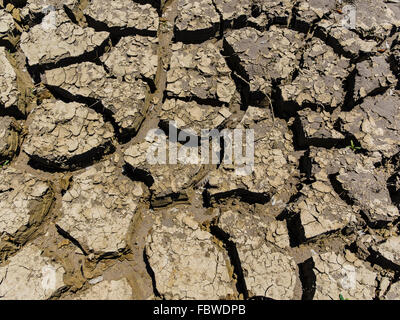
(275, 160)
(373, 76)
(58, 40)
(164, 177)
(187, 264)
(317, 128)
(30, 276)
(123, 14)
(321, 78)
(261, 58)
(376, 123)
(192, 115)
(321, 210)
(310, 11)
(389, 249)
(9, 138)
(99, 207)
(43, 10)
(107, 290)
(393, 293)
(66, 135)
(347, 171)
(24, 202)
(8, 82)
(200, 71)
(346, 275)
(267, 271)
(125, 100)
(132, 58)
(199, 15)
(6, 24)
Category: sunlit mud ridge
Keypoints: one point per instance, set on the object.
(84, 215)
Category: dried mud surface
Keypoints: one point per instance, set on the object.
(83, 215)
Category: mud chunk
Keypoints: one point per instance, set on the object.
(373, 75)
(187, 264)
(321, 210)
(389, 249)
(24, 201)
(199, 15)
(6, 23)
(317, 128)
(394, 292)
(268, 272)
(376, 123)
(9, 137)
(309, 12)
(123, 14)
(59, 40)
(125, 100)
(343, 274)
(328, 72)
(30, 276)
(165, 177)
(265, 57)
(107, 290)
(62, 135)
(44, 9)
(200, 71)
(132, 58)
(99, 207)
(192, 115)
(8, 82)
(275, 161)
(348, 171)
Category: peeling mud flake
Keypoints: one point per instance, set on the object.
(346, 275)
(44, 10)
(30, 276)
(132, 58)
(123, 14)
(64, 135)
(125, 100)
(107, 290)
(373, 75)
(61, 39)
(99, 207)
(8, 82)
(198, 15)
(267, 271)
(390, 249)
(275, 161)
(187, 264)
(9, 137)
(376, 123)
(264, 57)
(6, 23)
(321, 78)
(192, 115)
(164, 178)
(317, 128)
(321, 210)
(23, 199)
(199, 71)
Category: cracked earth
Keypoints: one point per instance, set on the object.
(83, 215)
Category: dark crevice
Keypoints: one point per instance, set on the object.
(13, 112)
(308, 279)
(233, 254)
(123, 135)
(151, 274)
(375, 258)
(196, 36)
(136, 174)
(241, 194)
(295, 228)
(305, 167)
(162, 202)
(341, 192)
(74, 163)
(36, 70)
(67, 236)
(393, 185)
(118, 31)
(206, 102)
